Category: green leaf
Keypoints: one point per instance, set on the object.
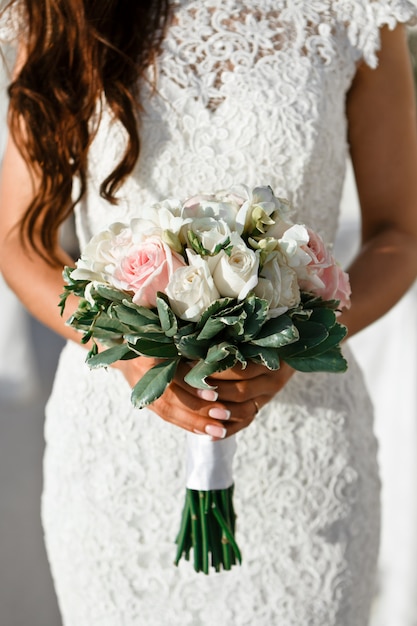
(156, 349)
(190, 347)
(188, 329)
(97, 322)
(327, 317)
(109, 324)
(197, 375)
(265, 356)
(223, 245)
(212, 327)
(166, 315)
(92, 352)
(72, 283)
(66, 273)
(106, 337)
(109, 293)
(149, 333)
(131, 317)
(300, 314)
(310, 300)
(109, 356)
(311, 334)
(218, 305)
(215, 325)
(142, 310)
(330, 361)
(153, 384)
(276, 333)
(76, 287)
(220, 351)
(230, 317)
(196, 244)
(256, 313)
(235, 325)
(336, 334)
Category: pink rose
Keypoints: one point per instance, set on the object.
(323, 276)
(336, 285)
(145, 269)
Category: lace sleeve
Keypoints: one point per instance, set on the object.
(366, 18)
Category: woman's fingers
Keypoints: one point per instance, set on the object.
(192, 413)
(266, 384)
(252, 370)
(237, 385)
(219, 412)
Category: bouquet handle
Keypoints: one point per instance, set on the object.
(209, 463)
(208, 518)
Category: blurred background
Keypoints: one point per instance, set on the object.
(28, 356)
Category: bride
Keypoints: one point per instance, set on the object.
(115, 105)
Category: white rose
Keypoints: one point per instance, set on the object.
(102, 253)
(236, 275)
(220, 205)
(259, 205)
(269, 283)
(290, 291)
(293, 244)
(210, 231)
(191, 289)
(278, 284)
(165, 215)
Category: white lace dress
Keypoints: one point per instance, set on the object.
(249, 92)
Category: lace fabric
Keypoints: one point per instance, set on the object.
(306, 498)
(248, 92)
(266, 87)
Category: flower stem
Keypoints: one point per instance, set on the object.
(204, 532)
(227, 532)
(184, 530)
(195, 530)
(208, 527)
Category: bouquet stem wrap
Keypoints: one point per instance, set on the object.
(208, 517)
(209, 463)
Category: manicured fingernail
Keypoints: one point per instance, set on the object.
(207, 394)
(219, 414)
(199, 432)
(216, 431)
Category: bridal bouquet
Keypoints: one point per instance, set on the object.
(218, 280)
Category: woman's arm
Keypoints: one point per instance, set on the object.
(383, 145)
(38, 285)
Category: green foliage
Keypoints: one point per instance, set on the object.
(229, 333)
(109, 356)
(153, 384)
(167, 317)
(276, 333)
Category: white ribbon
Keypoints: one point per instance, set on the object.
(209, 463)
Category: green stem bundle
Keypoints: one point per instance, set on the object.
(208, 527)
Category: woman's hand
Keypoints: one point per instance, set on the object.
(246, 391)
(219, 413)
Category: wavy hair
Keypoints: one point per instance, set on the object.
(76, 52)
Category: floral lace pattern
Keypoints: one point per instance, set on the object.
(248, 92)
(306, 498)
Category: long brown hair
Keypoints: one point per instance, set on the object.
(77, 51)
